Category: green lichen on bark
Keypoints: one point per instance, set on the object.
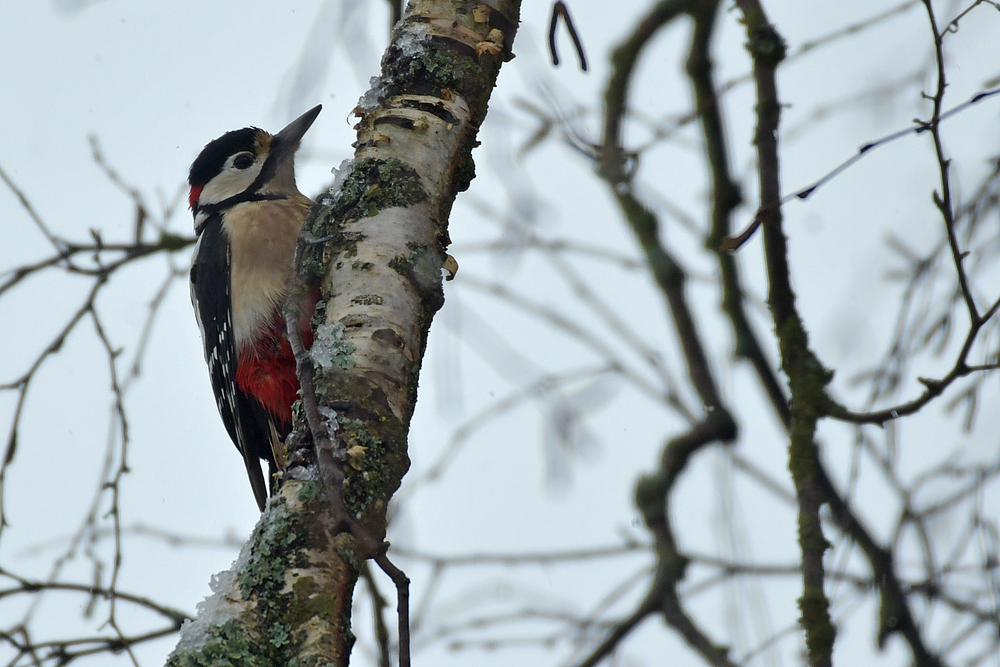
(229, 646)
(369, 471)
(809, 403)
(331, 349)
(312, 601)
(269, 633)
(307, 491)
(319, 314)
(815, 619)
(442, 69)
(279, 550)
(372, 185)
(263, 577)
(364, 419)
(309, 661)
(764, 43)
(278, 544)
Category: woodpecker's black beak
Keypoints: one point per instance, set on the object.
(286, 142)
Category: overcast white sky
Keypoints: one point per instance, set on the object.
(154, 82)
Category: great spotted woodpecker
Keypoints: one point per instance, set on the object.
(247, 216)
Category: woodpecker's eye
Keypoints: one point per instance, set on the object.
(243, 161)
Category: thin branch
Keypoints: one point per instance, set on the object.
(767, 210)
(37, 219)
(726, 197)
(378, 607)
(540, 558)
(23, 383)
(894, 611)
(672, 125)
(953, 24)
(581, 333)
(943, 201)
(27, 586)
(653, 491)
(932, 387)
(559, 10)
(806, 375)
(540, 388)
(621, 630)
(141, 214)
(555, 246)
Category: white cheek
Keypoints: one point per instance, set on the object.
(227, 184)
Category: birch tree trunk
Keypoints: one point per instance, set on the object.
(375, 245)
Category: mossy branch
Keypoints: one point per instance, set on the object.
(806, 376)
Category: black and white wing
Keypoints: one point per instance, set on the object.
(210, 296)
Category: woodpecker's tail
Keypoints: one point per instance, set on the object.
(256, 478)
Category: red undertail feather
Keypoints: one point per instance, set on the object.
(270, 378)
(266, 370)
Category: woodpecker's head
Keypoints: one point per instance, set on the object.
(245, 165)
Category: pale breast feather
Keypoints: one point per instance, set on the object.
(262, 236)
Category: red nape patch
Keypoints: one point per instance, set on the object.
(194, 195)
